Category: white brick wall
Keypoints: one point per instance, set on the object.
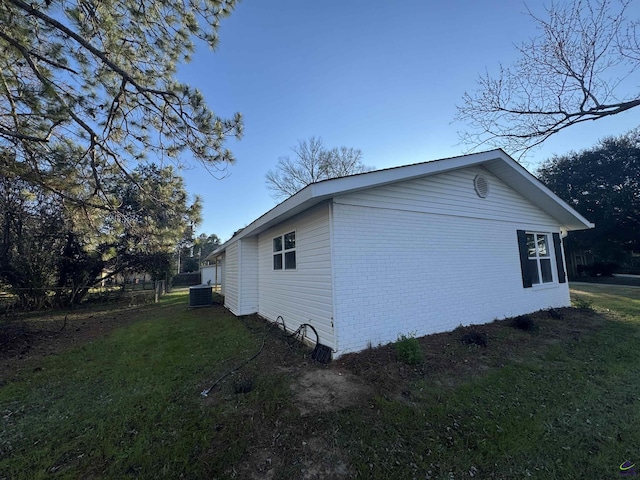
(400, 271)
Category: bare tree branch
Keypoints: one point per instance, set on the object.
(569, 74)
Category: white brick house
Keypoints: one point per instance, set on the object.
(420, 248)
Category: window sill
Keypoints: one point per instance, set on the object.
(545, 286)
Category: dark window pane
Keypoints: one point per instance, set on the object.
(277, 261)
(290, 260)
(545, 266)
(535, 278)
(290, 241)
(531, 244)
(277, 244)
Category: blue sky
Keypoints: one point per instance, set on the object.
(381, 76)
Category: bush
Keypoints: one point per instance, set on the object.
(524, 322)
(598, 269)
(474, 338)
(409, 349)
(555, 314)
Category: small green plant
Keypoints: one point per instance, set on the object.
(582, 303)
(409, 349)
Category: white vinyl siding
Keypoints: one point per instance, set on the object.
(248, 292)
(231, 280)
(452, 193)
(303, 295)
(428, 255)
(223, 283)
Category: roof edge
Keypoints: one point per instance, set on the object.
(324, 189)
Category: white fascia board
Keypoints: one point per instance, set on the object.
(527, 185)
(378, 178)
(289, 207)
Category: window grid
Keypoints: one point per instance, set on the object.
(284, 251)
(539, 255)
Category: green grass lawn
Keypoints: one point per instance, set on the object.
(129, 405)
(615, 280)
(621, 299)
(124, 405)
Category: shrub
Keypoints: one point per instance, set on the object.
(474, 338)
(524, 322)
(603, 269)
(409, 349)
(555, 314)
(598, 269)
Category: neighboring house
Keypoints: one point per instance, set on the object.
(416, 249)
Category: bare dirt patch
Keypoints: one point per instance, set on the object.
(293, 441)
(328, 390)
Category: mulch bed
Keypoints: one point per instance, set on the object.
(451, 357)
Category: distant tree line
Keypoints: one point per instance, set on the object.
(603, 184)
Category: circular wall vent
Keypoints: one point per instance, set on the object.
(481, 185)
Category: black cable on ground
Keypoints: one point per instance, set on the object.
(321, 353)
(293, 334)
(205, 392)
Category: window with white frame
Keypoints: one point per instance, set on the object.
(538, 250)
(539, 256)
(284, 251)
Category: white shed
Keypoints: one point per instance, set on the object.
(420, 248)
(211, 275)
